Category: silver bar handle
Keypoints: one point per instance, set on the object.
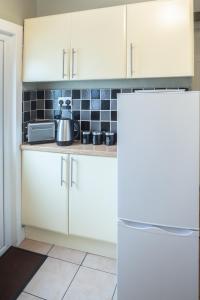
(61, 169)
(131, 59)
(63, 71)
(73, 62)
(72, 173)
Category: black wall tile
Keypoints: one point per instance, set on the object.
(40, 94)
(48, 104)
(40, 114)
(76, 94)
(105, 126)
(114, 93)
(113, 116)
(76, 115)
(85, 104)
(85, 125)
(27, 96)
(33, 105)
(105, 104)
(26, 116)
(95, 115)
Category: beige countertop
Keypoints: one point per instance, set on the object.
(76, 148)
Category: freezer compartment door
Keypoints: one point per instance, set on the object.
(158, 158)
(157, 264)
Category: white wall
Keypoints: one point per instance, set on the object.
(17, 10)
(49, 7)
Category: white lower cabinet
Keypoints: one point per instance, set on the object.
(93, 197)
(78, 190)
(45, 190)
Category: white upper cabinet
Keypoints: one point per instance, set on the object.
(46, 48)
(140, 40)
(160, 39)
(98, 43)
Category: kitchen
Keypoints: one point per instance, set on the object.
(81, 61)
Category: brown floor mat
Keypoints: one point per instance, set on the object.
(17, 267)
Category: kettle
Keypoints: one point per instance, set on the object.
(66, 131)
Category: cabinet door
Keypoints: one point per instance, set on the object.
(160, 39)
(46, 48)
(93, 198)
(44, 190)
(98, 43)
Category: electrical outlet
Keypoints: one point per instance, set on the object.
(64, 99)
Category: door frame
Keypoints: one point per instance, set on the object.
(11, 34)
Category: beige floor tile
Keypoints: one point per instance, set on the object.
(52, 279)
(91, 285)
(66, 254)
(25, 296)
(35, 246)
(100, 263)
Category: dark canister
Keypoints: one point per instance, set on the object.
(109, 138)
(97, 138)
(86, 137)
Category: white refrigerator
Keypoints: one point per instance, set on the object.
(158, 196)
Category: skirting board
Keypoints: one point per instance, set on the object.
(73, 242)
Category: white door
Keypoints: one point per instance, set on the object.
(158, 156)
(2, 225)
(98, 43)
(160, 39)
(46, 48)
(45, 190)
(93, 197)
(157, 264)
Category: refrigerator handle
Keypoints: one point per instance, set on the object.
(158, 229)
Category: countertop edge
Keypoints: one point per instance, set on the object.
(52, 148)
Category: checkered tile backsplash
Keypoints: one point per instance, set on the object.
(96, 109)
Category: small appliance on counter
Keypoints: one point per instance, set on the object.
(109, 138)
(67, 131)
(41, 131)
(97, 138)
(86, 137)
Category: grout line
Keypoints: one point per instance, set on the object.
(33, 295)
(114, 292)
(99, 270)
(84, 258)
(71, 282)
(50, 249)
(67, 261)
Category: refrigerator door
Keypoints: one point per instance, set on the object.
(157, 264)
(158, 158)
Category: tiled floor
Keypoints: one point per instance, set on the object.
(70, 275)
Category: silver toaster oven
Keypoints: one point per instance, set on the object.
(39, 132)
